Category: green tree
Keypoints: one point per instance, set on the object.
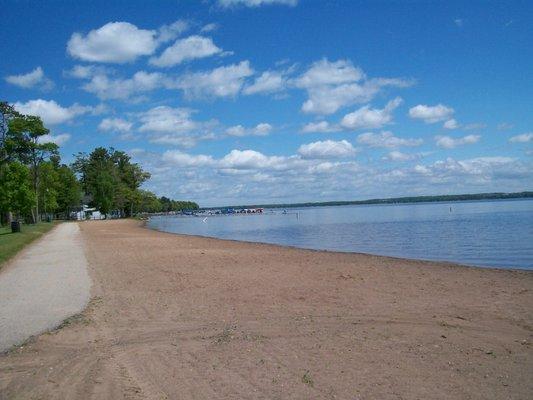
(68, 190)
(24, 134)
(16, 195)
(149, 202)
(111, 179)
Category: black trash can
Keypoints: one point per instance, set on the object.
(15, 226)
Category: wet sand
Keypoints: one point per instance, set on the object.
(179, 317)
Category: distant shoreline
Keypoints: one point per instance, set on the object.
(393, 200)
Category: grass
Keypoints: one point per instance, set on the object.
(12, 243)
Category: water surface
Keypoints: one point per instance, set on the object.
(482, 233)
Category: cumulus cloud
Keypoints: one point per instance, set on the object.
(262, 129)
(164, 119)
(386, 139)
(320, 126)
(451, 124)
(184, 160)
(35, 78)
(209, 28)
(251, 159)
(51, 112)
(170, 32)
(268, 82)
(226, 81)
(396, 155)
(187, 49)
(174, 126)
(482, 168)
(333, 85)
(370, 118)
(107, 88)
(299, 179)
(448, 142)
(327, 149)
(114, 42)
(255, 3)
(115, 125)
(431, 114)
(86, 71)
(60, 139)
(523, 138)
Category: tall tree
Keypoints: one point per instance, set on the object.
(16, 195)
(24, 135)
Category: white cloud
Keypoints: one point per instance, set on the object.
(321, 126)
(386, 139)
(451, 124)
(174, 126)
(209, 28)
(141, 82)
(167, 33)
(459, 22)
(251, 159)
(448, 142)
(327, 149)
(180, 159)
(60, 139)
(115, 125)
(186, 49)
(164, 119)
(255, 3)
(267, 82)
(370, 118)
(114, 42)
(523, 138)
(333, 85)
(50, 112)
(325, 72)
(35, 78)
(224, 81)
(431, 114)
(483, 167)
(262, 129)
(396, 155)
(86, 71)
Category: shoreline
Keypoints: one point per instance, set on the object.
(414, 260)
(177, 316)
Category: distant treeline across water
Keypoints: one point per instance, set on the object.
(395, 200)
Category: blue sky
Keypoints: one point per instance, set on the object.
(254, 101)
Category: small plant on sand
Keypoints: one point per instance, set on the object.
(306, 378)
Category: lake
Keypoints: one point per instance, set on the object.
(480, 233)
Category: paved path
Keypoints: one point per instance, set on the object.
(43, 285)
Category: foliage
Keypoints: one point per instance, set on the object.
(399, 200)
(111, 179)
(16, 195)
(174, 205)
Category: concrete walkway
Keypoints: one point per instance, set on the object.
(45, 284)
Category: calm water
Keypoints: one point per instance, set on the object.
(484, 233)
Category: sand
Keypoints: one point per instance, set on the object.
(179, 317)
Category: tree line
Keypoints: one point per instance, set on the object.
(397, 200)
(35, 184)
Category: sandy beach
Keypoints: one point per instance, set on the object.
(180, 317)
